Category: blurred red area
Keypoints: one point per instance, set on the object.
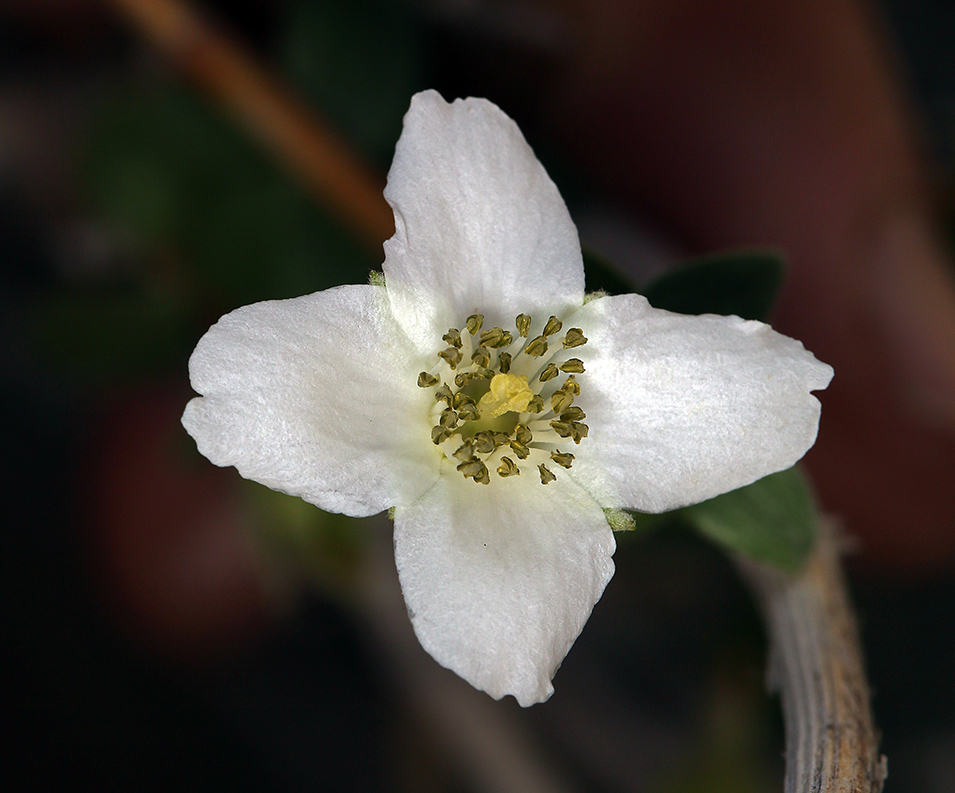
(739, 124)
(788, 126)
(172, 556)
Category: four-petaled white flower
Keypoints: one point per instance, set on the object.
(499, 413)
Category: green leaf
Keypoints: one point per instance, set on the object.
(740, 282)
(772, 520)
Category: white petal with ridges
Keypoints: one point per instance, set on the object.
(499, 579)
(316, 397)
(684, 408)
(480, 226)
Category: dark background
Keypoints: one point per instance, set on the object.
(172, 627)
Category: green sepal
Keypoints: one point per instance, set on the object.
(772, 520)
(618, 520)
(740, 282)
(635, 524)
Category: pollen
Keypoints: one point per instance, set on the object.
(499, 403)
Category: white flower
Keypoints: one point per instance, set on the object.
(497, 412)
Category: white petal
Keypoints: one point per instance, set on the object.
(316, 397)
(499, 579)
(684, 408)
(480, 227)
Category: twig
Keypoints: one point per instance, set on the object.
(335, 175)
(816, 665)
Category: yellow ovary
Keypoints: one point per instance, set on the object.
(507, 392)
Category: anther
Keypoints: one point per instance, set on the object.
(460, 399)
(463, 378)
(443, 393)
(561, 400)
(573, 414)
(496, 338)
(500, 439)
(571, 386)
(536, 347)
(474, 323)
(519, 449)
(452, 337)
(523, 434)
(550, 372)
(570, 429)
(439, 435)
(452, 355)
(464, 452)
(546, 474)
(469, 412)
(574, 338)
(426, 380)
(579, 431)
(475, 470)
(564, 459)
(563, 428)
(553, 326)
(508, 467)
(484, 442)
(504, 362)
(523, 323)
(574, 365)
(536, 405)
(469, 467)
(449, 419)
(481, 357)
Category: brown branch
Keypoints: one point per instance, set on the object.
(328, 167)
(816, 665)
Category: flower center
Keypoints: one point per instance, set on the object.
(498, 400)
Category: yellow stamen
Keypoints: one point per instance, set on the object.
(508, 467)
(488, 409)
(523, 323)
(546, 474)
(553, 326)
(574, 338)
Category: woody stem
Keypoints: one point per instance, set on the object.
(816, 665)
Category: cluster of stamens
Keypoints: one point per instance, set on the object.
(498, 402)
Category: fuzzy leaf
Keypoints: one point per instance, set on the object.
(772, 520)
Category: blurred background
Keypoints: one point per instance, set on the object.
(176, 626)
